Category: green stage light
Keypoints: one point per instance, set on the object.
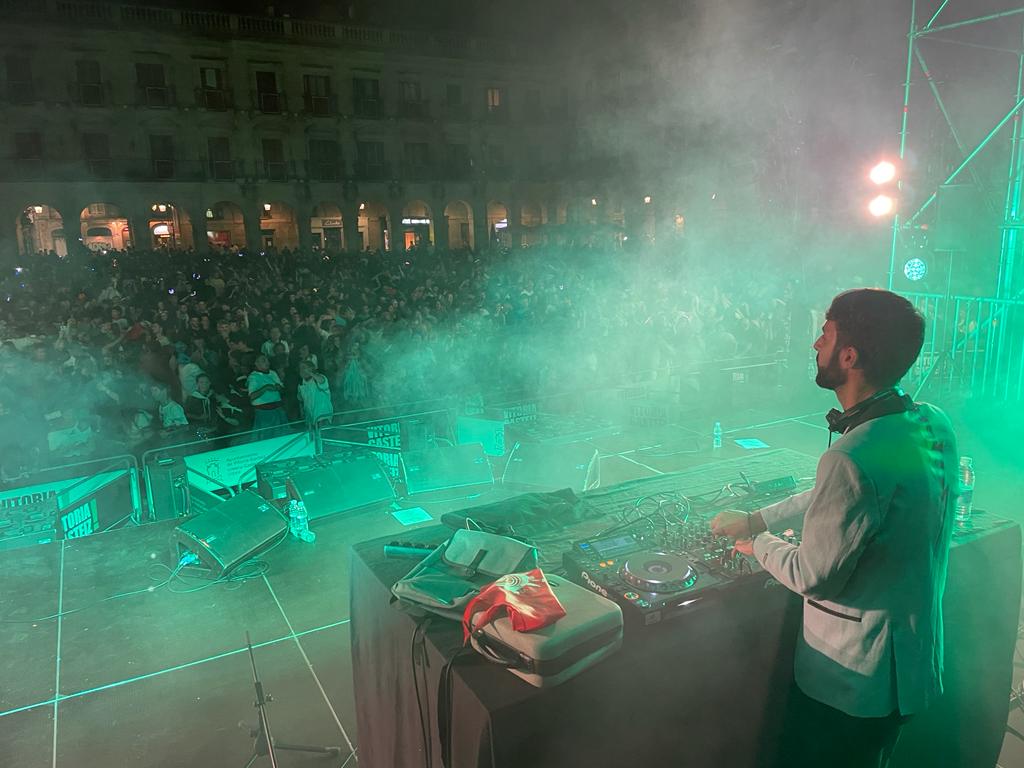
(915, 269)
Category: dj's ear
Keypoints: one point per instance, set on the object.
(849, 357)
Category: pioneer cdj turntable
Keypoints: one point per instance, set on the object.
(657, 575)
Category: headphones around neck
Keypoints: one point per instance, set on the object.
(882, 403)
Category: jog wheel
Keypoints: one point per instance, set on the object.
(658, 572)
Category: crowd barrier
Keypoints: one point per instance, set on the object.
(171, 480)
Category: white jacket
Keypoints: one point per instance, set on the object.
(872, 563)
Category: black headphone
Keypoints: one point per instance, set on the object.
(882, 403)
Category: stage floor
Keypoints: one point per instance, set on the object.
(162, 678)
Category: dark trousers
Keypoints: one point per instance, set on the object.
(817, 735)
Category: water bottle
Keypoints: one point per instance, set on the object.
(302, 523)
(716, 436)
(965, 499)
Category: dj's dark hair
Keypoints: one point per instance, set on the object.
(885, 329)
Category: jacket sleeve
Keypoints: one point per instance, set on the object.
(842, 517)
(784, 514)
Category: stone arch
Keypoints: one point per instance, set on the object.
(278, 226)
(497, 224)
(40, 227)
(532, 218)
(375, 226)
(225, 225)
(104, 227)
(326, 225)
(459, 214)
(169, 226)
(417, 225)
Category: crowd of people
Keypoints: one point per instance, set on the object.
(107, 352)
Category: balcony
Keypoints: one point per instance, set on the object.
(455, 170)
(269, 102)
(99, 167)
(373, 171)
(163, 169)
(155, 96)
(29, 169)
(458, 112)
(224, 170)
(275, 170)
(418, 172)
(216, 99)
(414, 110)
(88, 94)
(20, 92)
(497, 114)
(324, 170)
(320, 106)
(367, 108)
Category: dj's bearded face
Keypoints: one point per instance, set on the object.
(830, 374)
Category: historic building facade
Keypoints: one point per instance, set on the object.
(131, 125)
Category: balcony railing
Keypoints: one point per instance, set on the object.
(418, 171)
(275, 170)
(217, 99)
(414, 110)
(269, 102)
(372, 171)
(100, 167)
(224, 170)
(21, 92)
(320, 106)
(324, 170)
(458, 112)
(158, 96)
(88, 94)
(367, 108)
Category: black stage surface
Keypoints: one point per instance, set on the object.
(162, 678)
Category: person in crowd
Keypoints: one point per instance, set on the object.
(172, 415)
(265, 387)
(314, 394)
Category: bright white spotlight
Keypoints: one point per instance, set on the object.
(883, 173)
(881, 206)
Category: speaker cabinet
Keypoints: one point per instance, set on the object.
(552, 467)
(230, 533)
(445, 467)
(344, 485)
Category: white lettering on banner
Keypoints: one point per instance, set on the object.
(80, 487)
(514, 414)
(387, 436)
(82, 521)
(235, 465)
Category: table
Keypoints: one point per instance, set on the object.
(706, 689)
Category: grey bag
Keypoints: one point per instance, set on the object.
(454, 573)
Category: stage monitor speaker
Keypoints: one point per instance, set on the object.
(445, 467)
(230, 533)
(344, 485)
(488, 432)
(552, 467)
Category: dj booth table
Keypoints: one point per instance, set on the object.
(705, 689)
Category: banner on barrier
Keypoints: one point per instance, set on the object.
(236, 465)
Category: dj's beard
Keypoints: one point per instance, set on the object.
(831, 376)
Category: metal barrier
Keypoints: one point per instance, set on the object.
(76, 486)
(973, 346)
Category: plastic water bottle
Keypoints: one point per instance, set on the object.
(298, 521)
(965, 499)
(716, 436)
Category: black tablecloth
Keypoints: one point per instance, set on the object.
(707, 689)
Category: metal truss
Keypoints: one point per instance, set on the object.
(1011, 239)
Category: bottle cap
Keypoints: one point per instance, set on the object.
(966, 460)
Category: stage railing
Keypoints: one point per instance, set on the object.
(974, 346)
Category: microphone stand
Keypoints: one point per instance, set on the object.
(265, 744)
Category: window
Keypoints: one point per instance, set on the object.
(274, 166)
(212, 94)
(267, 97)
(411, 91)
(366, 96)
(324, 159)
(317, 92)
(221, 165)
(28, 146)
(457, 162)
(149, 77)
(19, 79)
(96, 148)
(370, 156)
(161, 151)
(87, 81)
(494, 102)
(417, 159)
